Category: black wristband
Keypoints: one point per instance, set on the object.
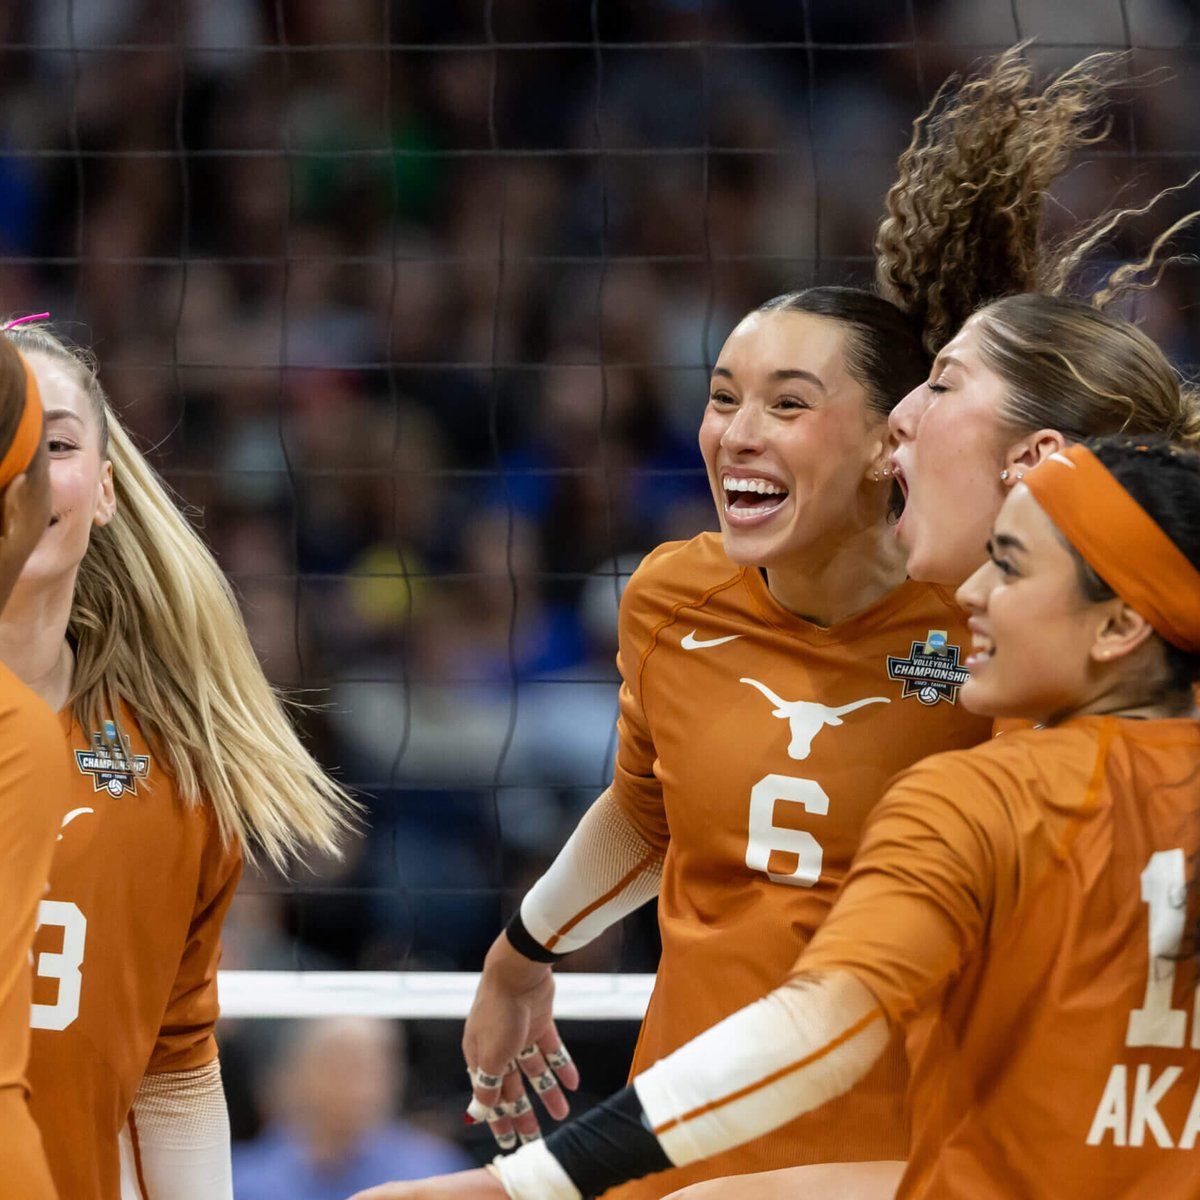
(523, 942)
(610, 1144)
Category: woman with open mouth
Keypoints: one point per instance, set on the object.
(1023, 907)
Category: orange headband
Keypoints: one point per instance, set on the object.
(1120, 540)
(25, 441)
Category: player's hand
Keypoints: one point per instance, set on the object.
(465, 1185)
(510, 1037)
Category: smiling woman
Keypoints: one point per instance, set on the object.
(743, 825)
(185, 763)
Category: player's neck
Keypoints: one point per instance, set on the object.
(835, 581)
(33, 639)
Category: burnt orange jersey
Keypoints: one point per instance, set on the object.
(1023, 907)
(126, 952)
(33, 788)
(753, 744)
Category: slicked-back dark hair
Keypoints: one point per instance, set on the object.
(883, 346)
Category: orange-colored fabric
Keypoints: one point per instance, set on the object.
(1121, 541)
(28, 434)
(140, 884)
(998, 908)
(24, 1174)
(33, 790)
(706, 763)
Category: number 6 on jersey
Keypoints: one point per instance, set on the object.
(766, 836)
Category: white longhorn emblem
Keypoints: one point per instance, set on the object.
(807, 718)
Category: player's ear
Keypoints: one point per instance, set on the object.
(880, 450)
(1123, 631)
(1025, 454)
(106, 497)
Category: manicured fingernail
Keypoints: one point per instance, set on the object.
(468, 1119)
(477, 1111)
(506, 1141)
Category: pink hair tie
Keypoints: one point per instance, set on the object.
(23, 321)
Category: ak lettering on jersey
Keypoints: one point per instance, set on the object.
(752, 747)
(126, 951)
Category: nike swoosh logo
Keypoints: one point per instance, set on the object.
(690, 641)
(75, 812)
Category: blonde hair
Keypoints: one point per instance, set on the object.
(964, 228)
(155, 625)
(1066, 365)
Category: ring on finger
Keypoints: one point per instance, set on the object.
(484, 1080)
(543, 1082)
(557, 1059)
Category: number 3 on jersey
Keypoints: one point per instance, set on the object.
(765, 835)
(62, 966)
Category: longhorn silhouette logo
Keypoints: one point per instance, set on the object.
(806, 718)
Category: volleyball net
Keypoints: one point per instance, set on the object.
(415, 306)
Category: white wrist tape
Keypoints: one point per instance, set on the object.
(800, 1046)
(604, 872)
(533, 1173)
(177, 1138)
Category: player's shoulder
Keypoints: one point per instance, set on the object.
(681, 572)
(1035, 766)
(24, 716)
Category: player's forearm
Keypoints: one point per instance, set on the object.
(604, 872)
(178, 1134)
(804, 1044)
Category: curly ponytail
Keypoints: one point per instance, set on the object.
(963, 223)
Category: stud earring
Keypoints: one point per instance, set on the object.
(886, 473)
(875, 476)
(1020, 476)
(1004, 475)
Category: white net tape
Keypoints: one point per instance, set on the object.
(416, 994)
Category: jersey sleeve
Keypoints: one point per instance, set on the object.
(34, 788)
(185, 1038)
(636, 788)
(924, 884)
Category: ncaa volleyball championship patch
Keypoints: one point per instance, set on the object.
(931, 671)
(108, 761)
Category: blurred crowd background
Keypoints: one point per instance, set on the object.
(412, 302)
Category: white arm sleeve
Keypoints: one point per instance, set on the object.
(605, 871)
(805, 1043)
(175, 1145)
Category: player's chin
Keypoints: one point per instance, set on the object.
(757, 543)
(987, 696)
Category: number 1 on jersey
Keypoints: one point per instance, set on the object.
(1157, 1023)
(765, 835)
